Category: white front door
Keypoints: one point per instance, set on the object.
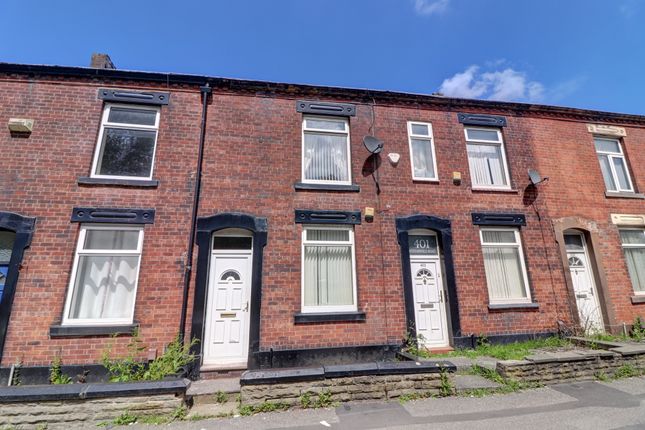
(584, 286)
(226, 335)
(429, 305)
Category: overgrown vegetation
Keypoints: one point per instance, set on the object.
(446, 388)
(510, 351)
(324, 399)
(246, 410)
(506, 385)
(221, 397)
(127, 418)
(131, 368)
(56, 375)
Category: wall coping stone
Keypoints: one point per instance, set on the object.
(630, 350)
(40, 393)
(301, 374)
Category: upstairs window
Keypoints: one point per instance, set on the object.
(422, 154)
(613, 165)
(328, 269)
(6, 248)
(486, 158)
(633, 241)
(127, 142)
(105, 274)
(325, 151)
(504, 265)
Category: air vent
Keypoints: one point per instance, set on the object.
(327, 217)
(323, 108)
(481, 119)
(113, 215)
(498, 219)
(138, 97)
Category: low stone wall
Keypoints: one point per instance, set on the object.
(86, 405)
(562, 367)
(374, 387)
(72, 414)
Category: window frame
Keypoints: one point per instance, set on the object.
(632, 246)
(80, 251)
(517, 244)
(352, 243)
(429, 138)
(500, 143)
(612, 169)
(345, 132)
(124, 126)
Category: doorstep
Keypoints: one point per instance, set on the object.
(214, 397)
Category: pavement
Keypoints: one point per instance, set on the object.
(589, 405)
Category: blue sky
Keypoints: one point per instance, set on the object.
(580, 53)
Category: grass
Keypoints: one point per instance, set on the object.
(510, 351)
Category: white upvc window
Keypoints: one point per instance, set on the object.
(103, 285)
(127, 142)
(328, 269)
(422, 153)
(633, 241)
(613, 164)
(325, 151)
(487, 158)
(504, 264)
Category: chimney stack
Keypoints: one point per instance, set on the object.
(101, 61)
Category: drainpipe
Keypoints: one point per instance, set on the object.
(205, 91)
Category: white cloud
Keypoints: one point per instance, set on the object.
(504, 85)
(429, 7)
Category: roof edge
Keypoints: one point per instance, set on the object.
(350, 94)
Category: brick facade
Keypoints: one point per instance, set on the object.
(252, 159)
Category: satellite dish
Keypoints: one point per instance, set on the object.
(535, 177)
(373, 144)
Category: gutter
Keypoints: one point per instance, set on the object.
(188, 269)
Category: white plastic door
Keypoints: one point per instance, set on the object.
(226, 334)
(429, 304)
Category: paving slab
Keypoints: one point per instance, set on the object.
(462, 363)
(473, 382)
(630, 349)
(212, 386)
(489, 363)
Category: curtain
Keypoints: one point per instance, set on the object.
(504, 273)
(635, 257)
(104, 287)
(325, 157)
(486, 166)
(328, 276)
(422, 158)
(6, 245)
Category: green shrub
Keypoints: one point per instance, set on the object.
(56, 375)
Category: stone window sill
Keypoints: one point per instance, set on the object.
(638, 299)
(151, 183)
(623, 195)
(514, 307)
(304, 318)
(98, 330)
(494, 190)
(302, 186)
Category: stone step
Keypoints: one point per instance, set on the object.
(464, 383)
(217, 392)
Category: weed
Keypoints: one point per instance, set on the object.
(179, 413)
(198, 417)
(56, 375)
(42, 426)
(125, 419)
(324, 399)
(446, 388)
(154, 419)
(305, 400)
(601, 376)
(221, 397)
(487, 373)
(130, 368)
(246, 410)
(626, 371)
(510, 351)
(638, 329)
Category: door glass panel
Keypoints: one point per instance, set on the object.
(573, 242)
(423, 245)
(232, 242)
(575, 262)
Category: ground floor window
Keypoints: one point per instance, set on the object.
(104, 278)
(504, 265)
(633, 241)
(328, 269)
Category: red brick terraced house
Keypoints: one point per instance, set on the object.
(251, 216)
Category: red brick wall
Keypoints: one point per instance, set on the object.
(252, 160)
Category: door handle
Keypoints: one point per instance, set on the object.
(441, 296)
(246, 307)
